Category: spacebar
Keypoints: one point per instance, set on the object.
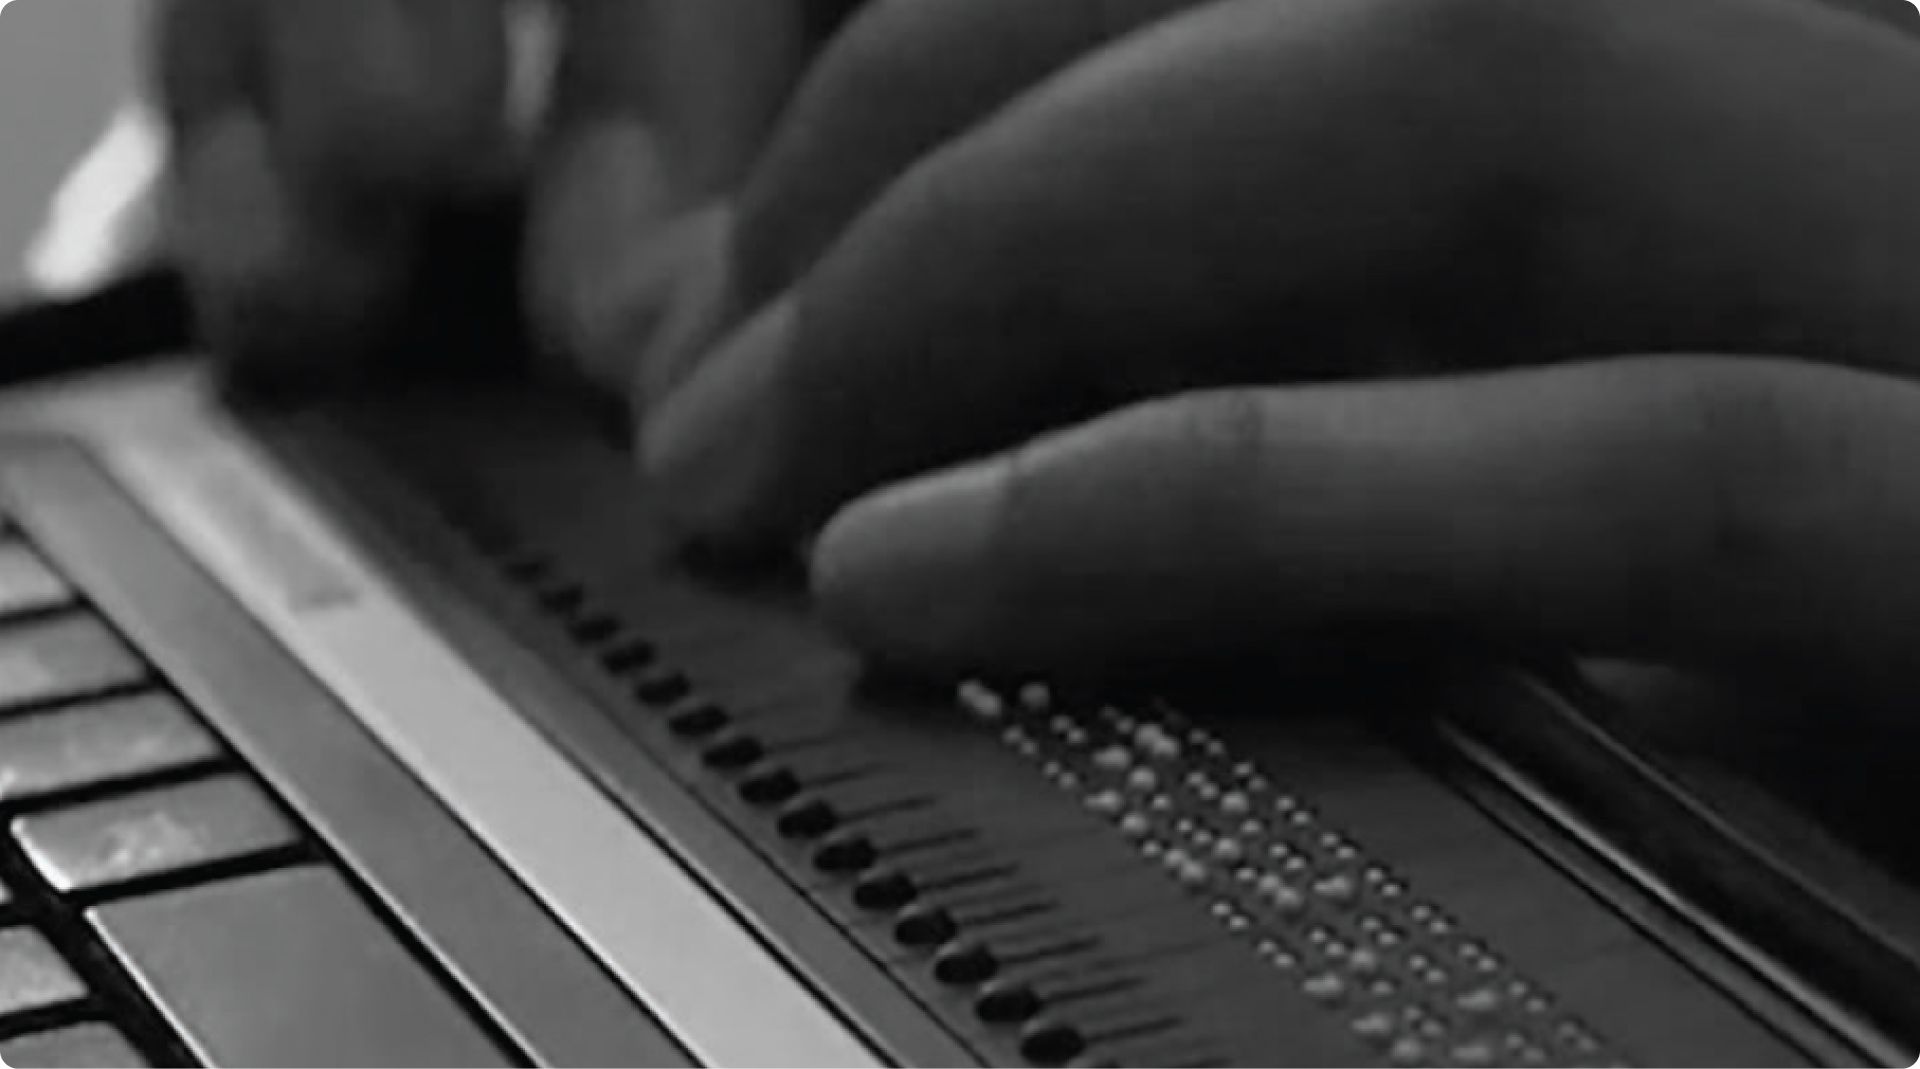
(288, 968)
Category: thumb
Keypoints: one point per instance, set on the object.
(1714, 511)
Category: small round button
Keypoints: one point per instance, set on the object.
(1006, 1005)
(925, 928)
(1052, 1045)
(846, 855)
(770, 788)
(884, 893)
(699, 722)
(809, 820)
(734, 754)
(966, 966)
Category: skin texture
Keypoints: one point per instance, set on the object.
(1109, 331)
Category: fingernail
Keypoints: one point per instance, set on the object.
(710, 451)
(907, 573)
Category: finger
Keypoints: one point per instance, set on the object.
(205, 59)
(1258, 191)
(1719, 512)
(900, 80)
(311, 140)
(659, 107)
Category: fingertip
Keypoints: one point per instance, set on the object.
(280, 294)
(711, 451)
(597, 276)
(907, 573)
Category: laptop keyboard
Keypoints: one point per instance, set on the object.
(155, 894)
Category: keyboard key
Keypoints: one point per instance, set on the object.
(59, 659)
(288, 968)
(27, 584)
(151, 833)
(97, 743)
(32, 975)
(83, 1046)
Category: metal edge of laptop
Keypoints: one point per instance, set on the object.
(158, 431)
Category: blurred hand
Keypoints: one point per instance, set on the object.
(314, 141)
(1195, 325)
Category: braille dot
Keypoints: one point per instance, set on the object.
(1135, 825)
(1324, 987)
(1364, 962)
(1161, 804)
(1061, 723)
(1479, 1002)
(1106, 803)
(1407, 1051)
(1473, 1053)
(1143, 779)
(1391, 889)
(1246, 874)
(980, 700)
(1339, 890)
(1228, 850)
(1152, 848)
(1036, 697)
(1192, 873)
(1113, 759)
(1434, 977)
(1375, 1025)
(1319, 934)
(1253, 828)
(1236, 804)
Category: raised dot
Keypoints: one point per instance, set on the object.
(1106, 803)
(1473, 1053)
(1192, 873)
(1319, 935)
(1375, 1025)
(1391, 889)
(1143, 779)
(1135, 825)
(1479, 1002)
(980, 700)
(1161, 804)
(1236, 804)
(1152, 848)
(1419, 912)
(1335, 949)
(1036, 697)
(1407, 1051)
(1253, 828)
(1228, 850)
(1061, 723)
(1435, 977)
(1339, 890)
(1382, 987)
(1388, 938)
(1113, 759)
(1324, 987)
(1364, 962)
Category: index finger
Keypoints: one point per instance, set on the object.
(1263, 192)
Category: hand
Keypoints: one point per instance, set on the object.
(1244, 318)
(316, 141)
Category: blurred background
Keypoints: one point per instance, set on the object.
(65, 65)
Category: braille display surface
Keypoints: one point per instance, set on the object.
(1289, 873)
